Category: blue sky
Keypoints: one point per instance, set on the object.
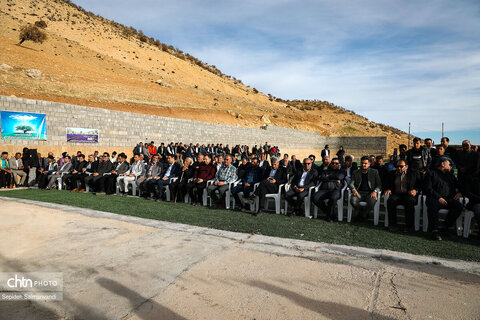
(392, 61)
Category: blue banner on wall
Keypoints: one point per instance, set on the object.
(23, 125)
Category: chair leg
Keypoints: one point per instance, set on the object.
(205, 197)
(425, 219)
(459, 225)
(306, 203)
(376, 211)
(417, 218)
(386, 211)
(349, 209)
(340, 209)
(467, 223)
(278, 203)
(227, 200)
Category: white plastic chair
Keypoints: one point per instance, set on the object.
(60, 180)
(339, 204)
(168, 193)
(133, 183)
(228, 193)
(376, 207)
(441, 211)
(187, 196)
(205, 193)
(276, 196)
(417, 207)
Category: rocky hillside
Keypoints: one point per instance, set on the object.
(89, 60)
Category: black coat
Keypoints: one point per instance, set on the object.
(93, 167)
(440, 185)
(310, 179)
(329, 178)
(280, 176)
(472, 190)
(296, 166)
(414, 180)
(80, 165)
(104, 167)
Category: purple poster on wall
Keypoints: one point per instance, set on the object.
(82, 135)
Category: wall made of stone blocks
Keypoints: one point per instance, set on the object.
(121, 131)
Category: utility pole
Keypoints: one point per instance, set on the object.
(443, 132)
(409, 136)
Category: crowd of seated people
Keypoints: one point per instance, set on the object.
(445, 176)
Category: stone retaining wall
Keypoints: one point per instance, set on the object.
(121, 131)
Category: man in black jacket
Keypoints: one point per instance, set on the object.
(104, 166)
(466, 162)
(89, 169)
(296, 164)
(441, 190)
(381, 168)
(109, 181)
(330, 188)
(349, 167)
(71, 179)
(178, 188)
(365, 186)
(263, 162)
(419, 157)
(273, 177)
(402, 186)
(301, 182)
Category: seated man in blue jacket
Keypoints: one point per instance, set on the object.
(172, 170)
(332, 181)
(253, 174)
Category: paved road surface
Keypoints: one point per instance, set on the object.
(120, 267)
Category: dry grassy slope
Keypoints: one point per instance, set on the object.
(87, 61)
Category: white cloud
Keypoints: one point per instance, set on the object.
(392, 61)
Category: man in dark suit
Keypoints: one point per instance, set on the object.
(273, 177)
(441, 188)
(287, 166)
(301, 182)
(296, 164)
(49, 169)
(324, 166)
(139, 148)
(91, 167)
(402, 186)
(263, 163)
(349, 167)
(325, 152)
(162, 150)
(364, 186)
(104, 166)
(253, 174)
(80, 163)
(178, 187)
(381, 168)
(331, 180)
(108, 182)
(172, 170)
(152, 173)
